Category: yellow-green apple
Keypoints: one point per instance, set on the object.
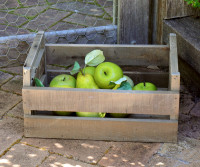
(107, 72)
(87, 70)
(90, 114)
(63, 81)
(146, 86)
(86, 81)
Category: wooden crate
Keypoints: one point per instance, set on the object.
(154, 113)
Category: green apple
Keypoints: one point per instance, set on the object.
(63, 81)
(129, 80)
(90, 114)
(118, 115)
(107, 72)
(147, 86)
(87, 70)
(86, 81)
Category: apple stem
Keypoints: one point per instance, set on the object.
(84, 69)
(144, 84)
(64, 79)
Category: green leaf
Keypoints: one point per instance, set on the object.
(75, 69)
(125, 86)
(118, 81)
(94, 58)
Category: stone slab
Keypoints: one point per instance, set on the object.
(14, 85)
(80, 7)
(4, 77)
(187, 30)
(45, 20)
(57, 160)
(161, 161)
(17, 111)
(14, 70)
(187, 150)
(23, 156)
(7, 101)
(196, 110)
(128, 154)
(87, 20)
(83, 150)
(11, 130)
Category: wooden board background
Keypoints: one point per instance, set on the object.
(133, 21)
(140, 55)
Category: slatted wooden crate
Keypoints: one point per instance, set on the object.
(154, 113)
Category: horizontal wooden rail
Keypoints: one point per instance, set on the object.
(140, 55)
(100, 100)
(117, 129)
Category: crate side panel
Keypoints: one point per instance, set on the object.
(101, 129)
(140, 55)
(97, 100)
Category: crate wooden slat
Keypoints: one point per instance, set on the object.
(162, 104)
(145, 130)
(110, 101)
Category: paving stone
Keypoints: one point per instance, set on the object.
(128, 154)
(105, 3)
(58, 161)
(23, 156)
(4, 77)
(46, 19)
(186, 103)
(161, 161)
(12, 4)
(14, 70)
(193, 164)
(187, 150)
(80, 7)
(87, 20)
(11, 130)
(196, 110)
(14, 85)
(7, 101)
(64, 26)
(17, 111)
(25, 11)
(191, 128)
(87, 151)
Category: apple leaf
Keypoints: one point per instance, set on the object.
(125, 86)
(75, 69)
(118, 81)
(94, 58)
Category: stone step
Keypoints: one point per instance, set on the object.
(187, 30)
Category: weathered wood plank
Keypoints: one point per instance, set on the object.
(140, 55)
(174, 75)
(37, 44)
(101, 129)
(133, 21)
(100, 100)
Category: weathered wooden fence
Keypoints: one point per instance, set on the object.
(141, 21)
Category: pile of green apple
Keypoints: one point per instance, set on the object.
(97, 74)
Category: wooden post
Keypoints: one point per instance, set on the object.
(133, 21)
(174, 75)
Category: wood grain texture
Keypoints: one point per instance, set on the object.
(101, 129)
(100, 100)
(168, 9)
(174, 75)
(133, 21)
(140, 55)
